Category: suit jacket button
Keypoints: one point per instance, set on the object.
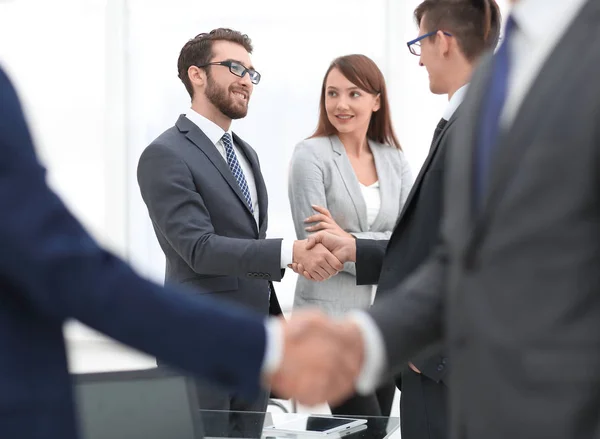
(440, 367)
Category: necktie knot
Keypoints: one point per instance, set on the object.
(438, 130)
(226, 139)
(509, 28)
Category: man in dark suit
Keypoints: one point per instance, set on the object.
(514, 288)
(51, 270)
(452, 37)
(207, 198)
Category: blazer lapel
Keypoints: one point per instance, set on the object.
(350, 181)
(513, 143)
(261, 188)
(198, 138)
(385, 175)
(426, 164)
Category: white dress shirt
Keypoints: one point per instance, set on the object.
(455, 101)
(540, 24)
(214, 133)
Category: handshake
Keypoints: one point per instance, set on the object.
(321, 360)
(322, 255)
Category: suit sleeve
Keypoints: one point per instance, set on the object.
(410, 317)
(59, 272)
(434, 365)
(369, 260)
(306, 187)
(178, 211)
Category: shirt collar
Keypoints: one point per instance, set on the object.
(543, 20)
(455, 101)
(213, 131)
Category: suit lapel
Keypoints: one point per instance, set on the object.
(514, 142)
(261, 188)
(426, 164)
(350, 181)
(385, 175)
(198, 138)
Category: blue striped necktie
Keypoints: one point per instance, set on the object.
(236, 169)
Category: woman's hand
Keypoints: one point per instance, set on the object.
(324, 221)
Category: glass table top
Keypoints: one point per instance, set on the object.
(220, 424)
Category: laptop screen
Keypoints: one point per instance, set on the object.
(152, 404)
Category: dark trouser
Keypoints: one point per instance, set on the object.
(423, 411)
(226, 420)
(232, 419)
(376, 404)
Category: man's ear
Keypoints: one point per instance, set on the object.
(197, 76)
(443, 42)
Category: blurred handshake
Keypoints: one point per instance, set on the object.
(321, 361)
(322, 357)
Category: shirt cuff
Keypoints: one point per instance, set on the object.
(287, 252)
(374, 363)
(273, 347)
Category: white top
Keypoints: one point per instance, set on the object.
(214, 133)
(540, 24)
(455, 101)
(372, 197)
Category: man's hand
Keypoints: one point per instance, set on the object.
(321, 359)
(344, 249)
(318, 262)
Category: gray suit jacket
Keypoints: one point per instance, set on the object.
(203, 224)
(322, 174)
(514, 289)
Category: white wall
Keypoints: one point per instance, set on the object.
(99, 82)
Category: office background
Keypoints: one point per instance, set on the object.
(99, 81)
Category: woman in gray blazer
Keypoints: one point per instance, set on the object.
(349, 178)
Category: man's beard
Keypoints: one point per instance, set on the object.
(224, 102)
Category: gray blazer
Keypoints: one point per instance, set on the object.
(514, 289)
(321, 174)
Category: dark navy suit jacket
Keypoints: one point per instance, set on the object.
(51, 270)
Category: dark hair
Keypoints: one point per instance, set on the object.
(198, 51)
(474, 23)
(364, 73)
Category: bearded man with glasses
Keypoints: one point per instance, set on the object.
(207, 200)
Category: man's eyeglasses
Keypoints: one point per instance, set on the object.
(237, 69)
(415, 45)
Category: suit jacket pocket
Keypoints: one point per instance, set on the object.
(212, 284)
